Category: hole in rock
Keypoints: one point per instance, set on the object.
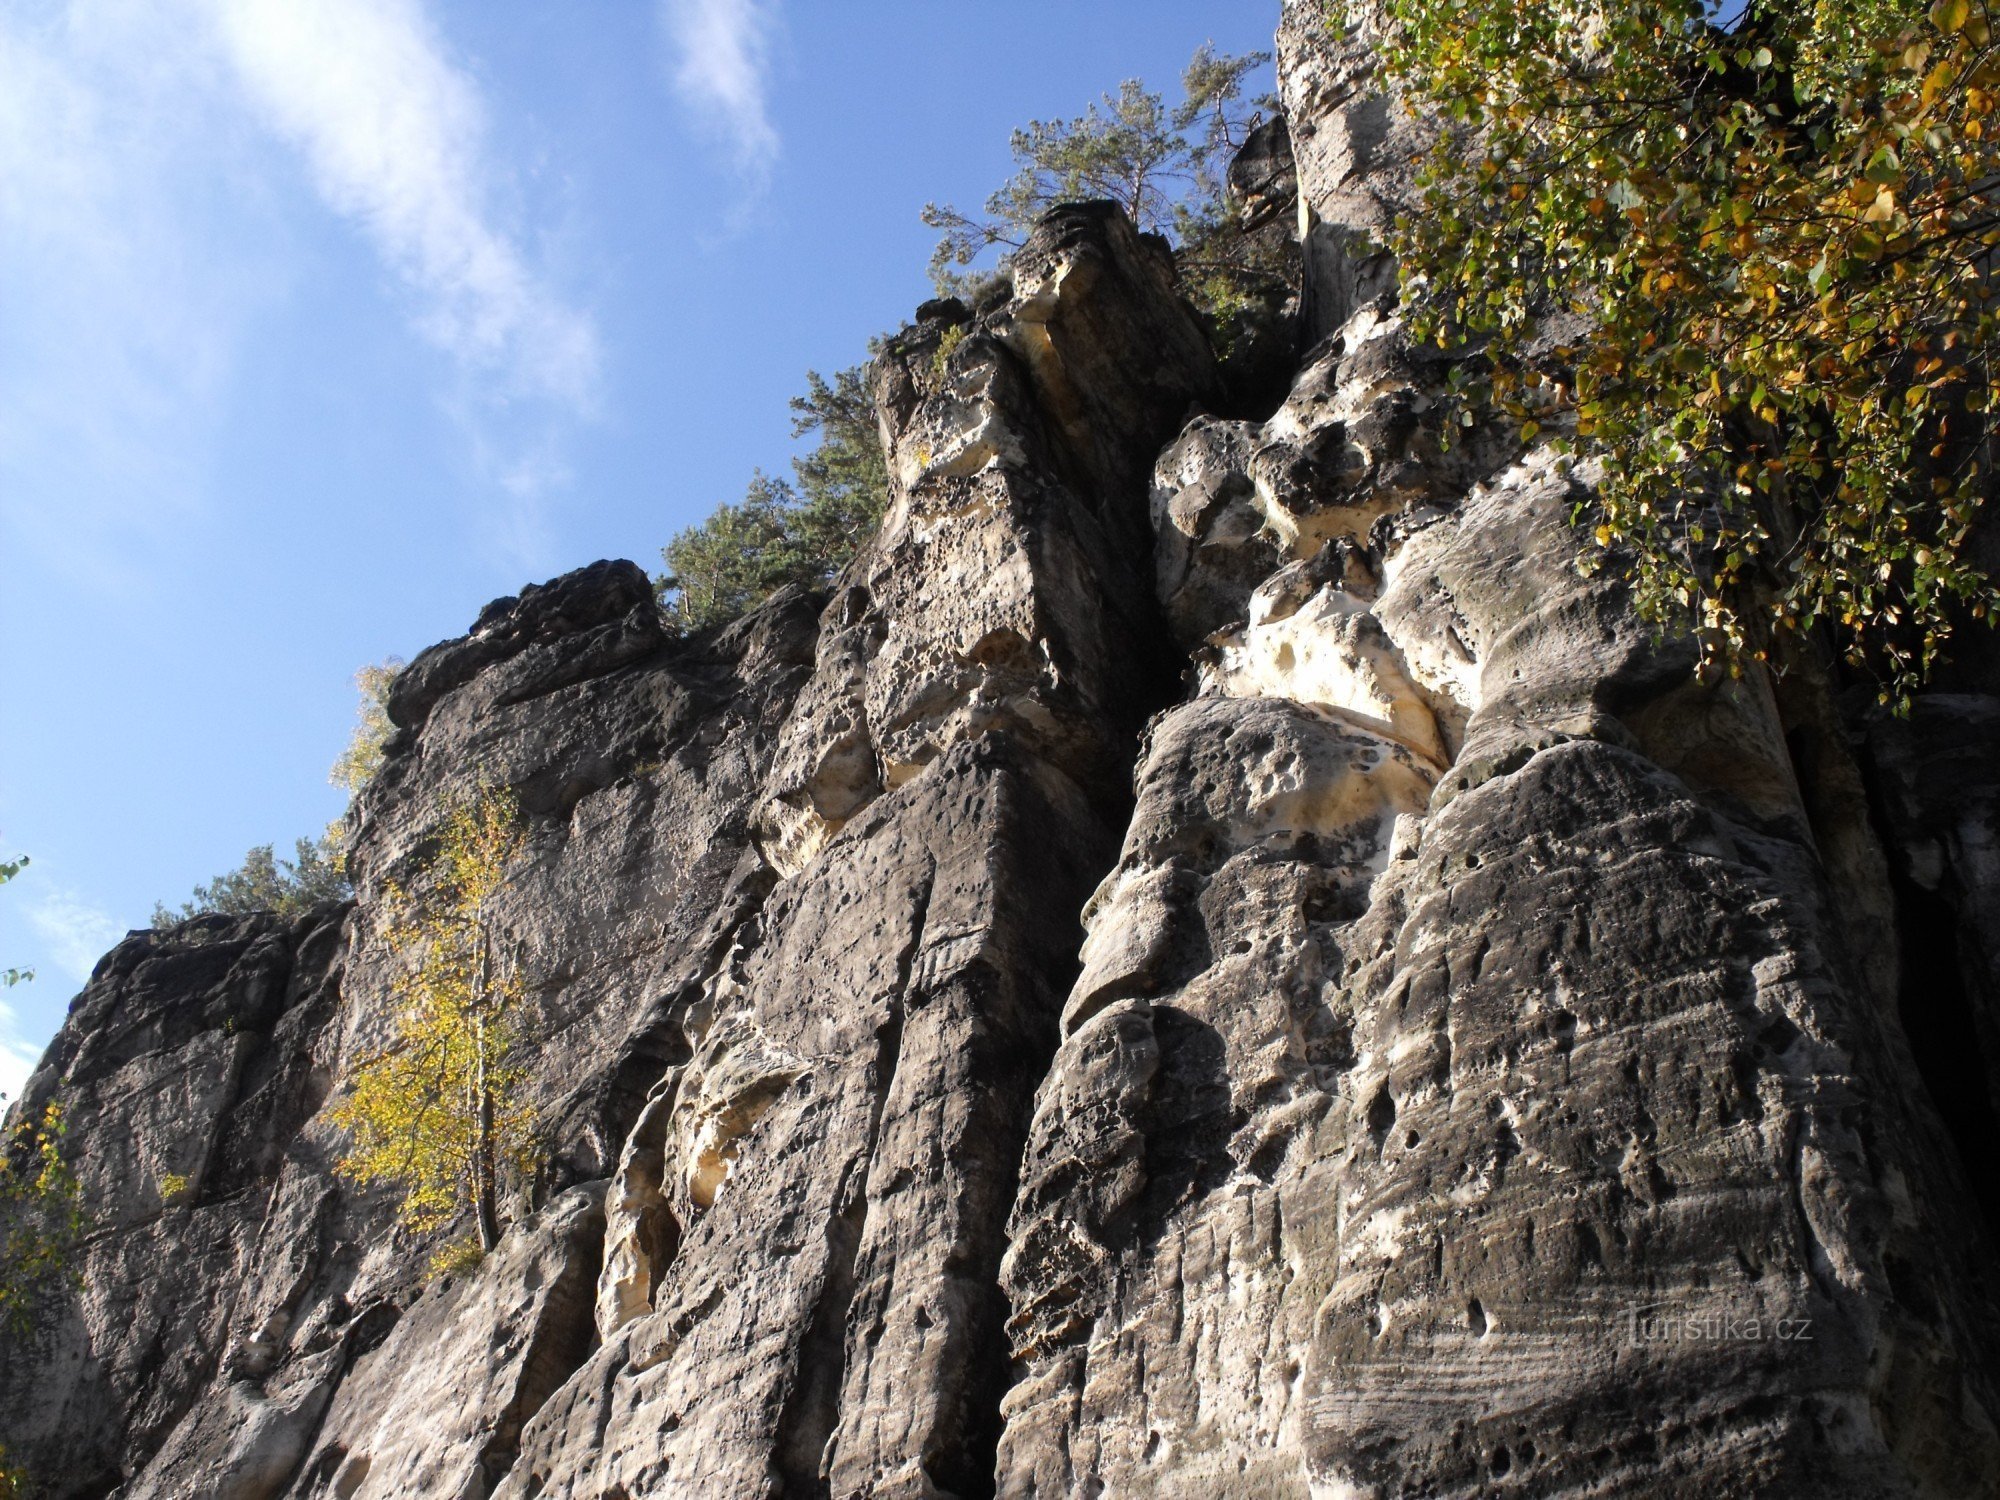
(1589, 1252)
(1381, 1115)
(1475, 1317)
(1506, 1146)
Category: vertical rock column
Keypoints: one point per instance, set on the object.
(827, 1177)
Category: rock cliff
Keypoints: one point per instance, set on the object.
(1216, 961)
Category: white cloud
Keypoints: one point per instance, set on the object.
(396, 139)
(77, 933)
(148, 227)
(721, 67)
(117, 325)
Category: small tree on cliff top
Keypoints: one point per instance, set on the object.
(1164, 167)
(362, 758)
(438, 1110)
(317, 872)
(802, 530)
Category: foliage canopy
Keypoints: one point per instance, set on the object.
(437, 1111)
(41, 1225)
(362, 758)
(802, 530)
(41, 1217)
(316, 872)
(1779, 236)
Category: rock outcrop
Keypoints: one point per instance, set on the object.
(1215, 960)
(835, 1160)
(185, 1071)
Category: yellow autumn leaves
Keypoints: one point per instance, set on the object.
(41, 1216)
(438, 1110)
(1777, 237)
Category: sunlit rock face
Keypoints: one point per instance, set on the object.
(1217, 959)
(1520, 1109)
(836, 1157)
(1007, 593)
(228, 1338)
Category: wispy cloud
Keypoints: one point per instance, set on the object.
(77, 934)
(117, 325)
(396, 138)
(721, 51)
(146, 230)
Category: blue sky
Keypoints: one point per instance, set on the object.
(322, 322)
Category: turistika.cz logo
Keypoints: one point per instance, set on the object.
(1659, 1324)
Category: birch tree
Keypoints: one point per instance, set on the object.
(438, 1111)
(1778, 224)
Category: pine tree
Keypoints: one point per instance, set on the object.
(1165, 167)
(316, 872)
(802, 530)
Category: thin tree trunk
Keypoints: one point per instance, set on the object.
(489, 1220)
(482, 1141)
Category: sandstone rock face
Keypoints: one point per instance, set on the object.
(197, 1055)
(215, 1335)
(1356, 148)
(1216, 960)
(437, 1408)
(1542, 1133)
(834, 1163)
(1935, 776)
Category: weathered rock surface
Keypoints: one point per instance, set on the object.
(836, 1160)
(437, 1408)
(1217, 960)
(212, 1338)
(1550, 1137)
(195, 1054)
(1936, 782)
